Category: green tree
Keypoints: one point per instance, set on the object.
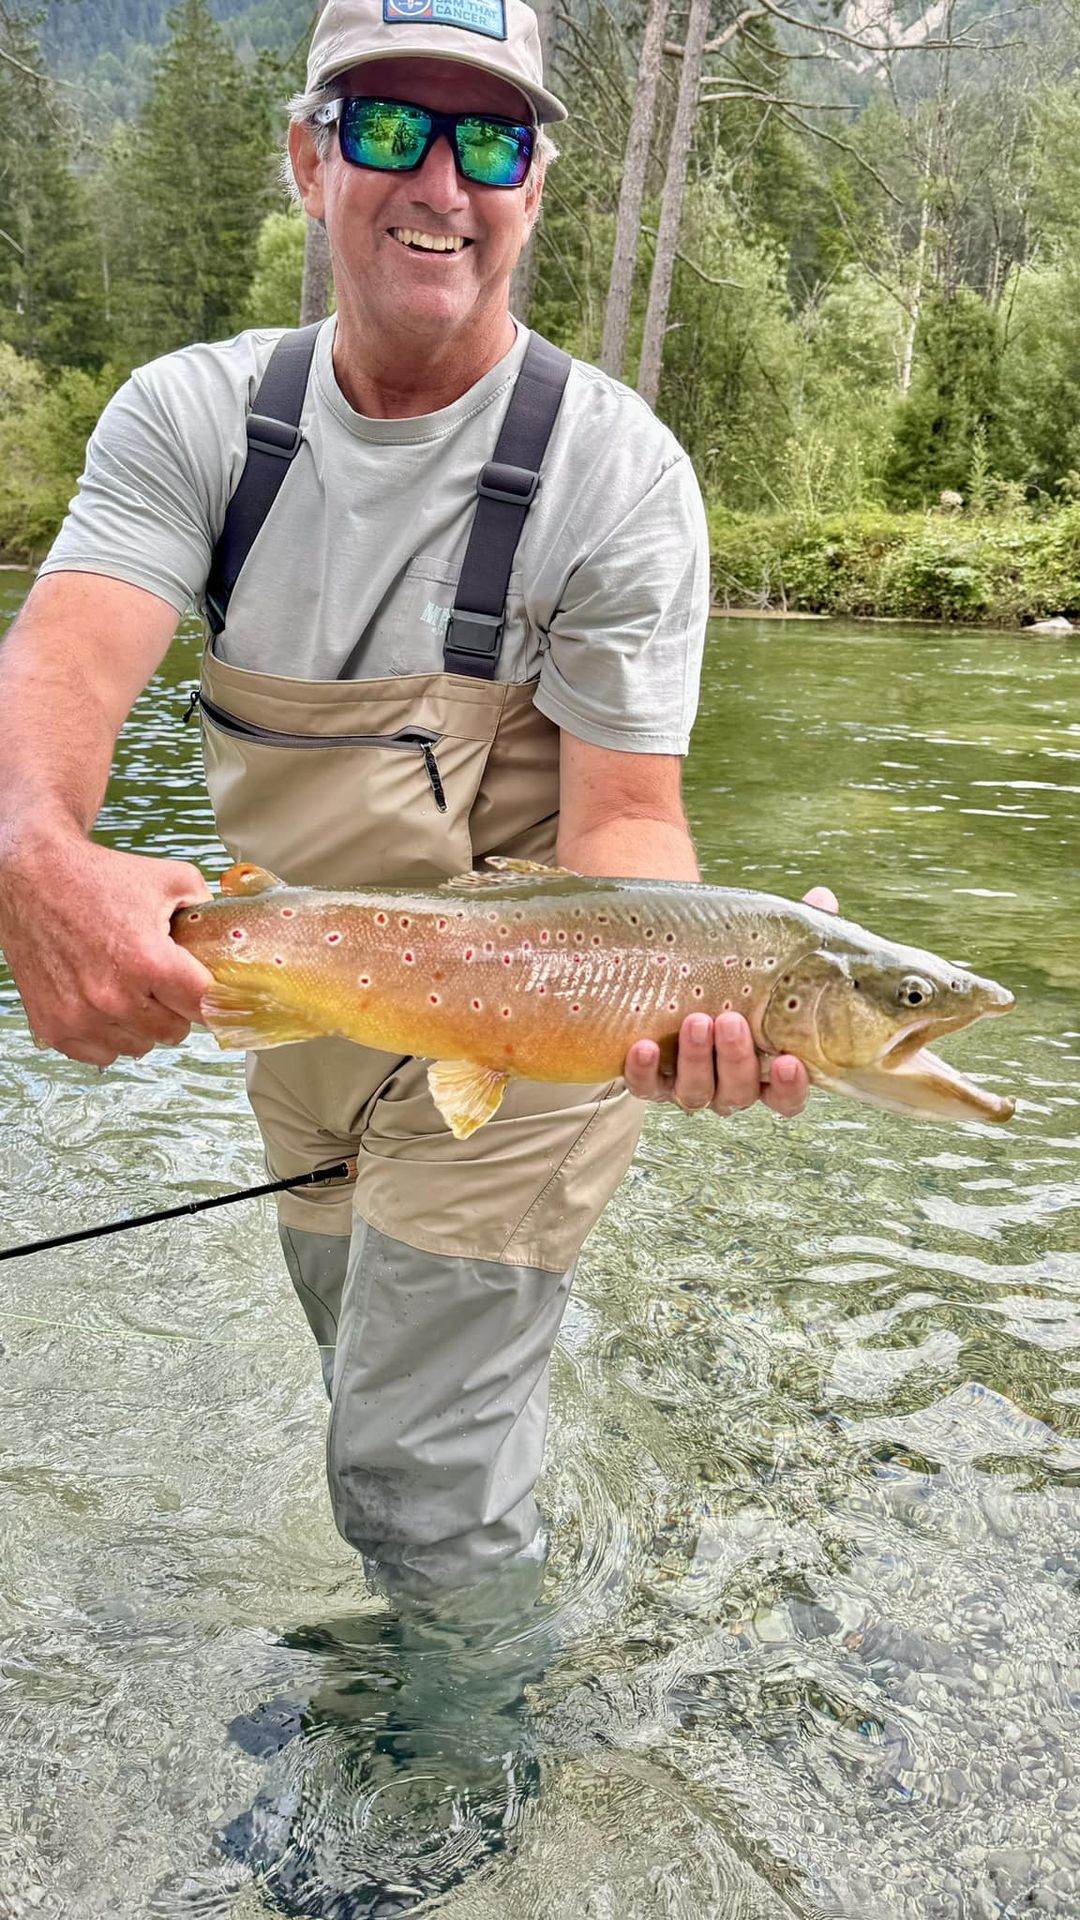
(274, 300)
(50, 303)
(187, 193)
(954, 399)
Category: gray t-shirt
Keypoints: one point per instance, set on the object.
(354, 570)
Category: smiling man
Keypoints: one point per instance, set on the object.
(457, 587)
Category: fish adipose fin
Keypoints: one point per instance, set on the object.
(465, 1094)
(240, 1017)
(500, 873)
(247, 878)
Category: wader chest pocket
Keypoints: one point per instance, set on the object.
(406, 740)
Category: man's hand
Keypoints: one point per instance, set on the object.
(717, 1065)
(85, 932)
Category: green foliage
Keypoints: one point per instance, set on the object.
(274, 299)
(904, 566)
(954, 396)
(185, 192)
(44, 426)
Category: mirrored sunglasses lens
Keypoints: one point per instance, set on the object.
(379, 133)
(493, 153)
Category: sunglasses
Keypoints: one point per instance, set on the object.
(391, 136)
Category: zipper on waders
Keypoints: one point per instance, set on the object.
(417, 738)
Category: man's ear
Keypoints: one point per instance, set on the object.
(534, 193)
(307, 169)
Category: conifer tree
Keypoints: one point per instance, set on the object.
(190, 188)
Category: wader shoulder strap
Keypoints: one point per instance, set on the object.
(506, 488)
(274, 438)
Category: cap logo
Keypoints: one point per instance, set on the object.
(474, 16)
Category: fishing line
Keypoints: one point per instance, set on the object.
(345, 1170)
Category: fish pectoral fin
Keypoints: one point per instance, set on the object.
(465, 1094)
(245, 878)
(241, 1017)
(501, 873)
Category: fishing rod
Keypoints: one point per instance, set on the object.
(345, 1170)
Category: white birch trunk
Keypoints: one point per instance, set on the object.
(632, 192)
(652, 348)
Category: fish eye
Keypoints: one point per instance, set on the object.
(914, 991)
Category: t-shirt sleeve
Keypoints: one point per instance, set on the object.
(158, 473)
(623, 662)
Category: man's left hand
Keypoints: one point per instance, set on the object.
(717, 1066)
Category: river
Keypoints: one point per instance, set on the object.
(809, 1642)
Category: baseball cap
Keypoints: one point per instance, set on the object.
(498, 36)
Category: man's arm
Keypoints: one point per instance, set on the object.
(622, 813)
(84, 929)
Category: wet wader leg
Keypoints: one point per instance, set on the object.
(317, 1264)
(440, 1403)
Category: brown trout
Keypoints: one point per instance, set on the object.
(550, 975)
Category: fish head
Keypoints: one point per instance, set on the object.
(863, 1021)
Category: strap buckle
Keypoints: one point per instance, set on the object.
(273, 436)
(501, 481)
(480, 634)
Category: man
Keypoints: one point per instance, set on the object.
(358, 730)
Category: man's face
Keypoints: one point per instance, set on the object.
(376, 273)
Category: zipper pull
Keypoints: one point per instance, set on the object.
(433, 775)
(196, 696)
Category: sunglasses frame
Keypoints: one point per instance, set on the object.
(442, 124)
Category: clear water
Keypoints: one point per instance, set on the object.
(809, 1641)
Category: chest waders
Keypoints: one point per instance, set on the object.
(436, 1285)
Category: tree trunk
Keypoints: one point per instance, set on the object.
(523, 278)
(632, 192)
(315, 286)
(652, 346)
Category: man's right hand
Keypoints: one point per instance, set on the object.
(85, 931)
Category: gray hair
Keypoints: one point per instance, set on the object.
(303, 107)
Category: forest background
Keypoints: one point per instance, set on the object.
(838, 245)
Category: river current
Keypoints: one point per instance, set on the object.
(809, 1636)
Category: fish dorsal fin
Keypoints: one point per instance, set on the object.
(247, 878)
(465, 1094)
(243, 1017)
(501, 873)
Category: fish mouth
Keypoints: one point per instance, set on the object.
(908, 1078)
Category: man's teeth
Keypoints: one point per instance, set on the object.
(434, 242)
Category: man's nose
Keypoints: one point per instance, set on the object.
(438, 183)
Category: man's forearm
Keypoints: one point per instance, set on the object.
(70, 669)
(632, 847)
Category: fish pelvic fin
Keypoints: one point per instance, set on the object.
(243, 1017)
(465, 1094)
(247, 878)
(500, 873)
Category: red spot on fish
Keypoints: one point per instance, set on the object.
(192, 917)
(434, 999)
(576, 1008)
(544, 934)
(526, 946)
(332, 939)
(699, 992)
(541, 989)
(365, 979)
(673, 1006)
(731, 960)
(404, 921)
(380, 919)
(506, 1013)
(288, 913)
(468, 953)
(726, 1008)
(278, 961)
(236, 933)
(408, 958)
(442, 925)
(476, 1006)
(508, 959)
(660, 959)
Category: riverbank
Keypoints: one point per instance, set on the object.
(1000, 572)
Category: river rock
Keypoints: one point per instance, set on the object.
(1058, 624)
